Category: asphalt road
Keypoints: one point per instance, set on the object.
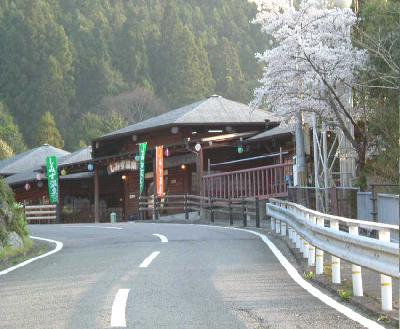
(203, 277)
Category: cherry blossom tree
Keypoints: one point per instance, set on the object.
(312, 64)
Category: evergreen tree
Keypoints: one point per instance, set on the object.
(5, 150)
(48, 133)
(9, 131)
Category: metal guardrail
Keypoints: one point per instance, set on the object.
(41, 213)
(243, 207)
(315, 232)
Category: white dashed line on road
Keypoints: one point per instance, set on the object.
(149, 259)
(163, 238)
(118, 308)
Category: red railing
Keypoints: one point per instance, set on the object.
(262, 182)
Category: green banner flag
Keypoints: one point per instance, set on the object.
(52, 178)
(142, 159)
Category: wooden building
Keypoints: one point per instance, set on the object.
(209, 137)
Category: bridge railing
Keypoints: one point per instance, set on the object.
(262, 182)
(314, 233)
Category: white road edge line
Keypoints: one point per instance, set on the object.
(58, 247)
(163, 238)
(347, 311)
(94, 226)
(118, 308)
(149, 259)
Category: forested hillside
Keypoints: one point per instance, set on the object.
(97, 65)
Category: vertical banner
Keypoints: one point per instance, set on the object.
(142, 159)
(160, 170)
(52, 178)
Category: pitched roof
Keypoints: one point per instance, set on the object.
(214, 110)
(278, 131)
(81, 155)
(30, 176)
(29, 160)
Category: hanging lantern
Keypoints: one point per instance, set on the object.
(240, 149)
(90, 167)
(197, 147)
(39, 176)
(137, 158)
(63, 172)
(167, 152)
(27, 187)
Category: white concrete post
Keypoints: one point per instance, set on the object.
(289, 230)
(319, 254)
(305, 248)
(335, 260)
(283, 229)
(277, 226)
(272, 224)
(294, 236)
(356, 270)
(301, 244)
(386, 281)
(298, 244)
(311, 248)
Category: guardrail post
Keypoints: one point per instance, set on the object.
(298, 241)
(305, 242)
(186, 206)
(230, 211)
(273, 223)
(335, 260)
(277, 226)
(283, 228)
(319, 254)
(311, 248)
(211, 210)
(386, 281)
(257, 204)
(356, 270)
(244, 213)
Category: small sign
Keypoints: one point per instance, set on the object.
(52, 178)
(121, 165)
(160, 170)
(142, 157)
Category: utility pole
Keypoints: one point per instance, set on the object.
(300, 154)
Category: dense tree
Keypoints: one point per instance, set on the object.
(68, 56)
(9, 132)
(48, 133)
(5, 150)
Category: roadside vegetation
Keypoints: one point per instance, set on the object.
(14, 238)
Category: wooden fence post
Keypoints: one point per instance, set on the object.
(211, 210)
(257, 204)
(244, 214)
(230, 212)
(186, 206)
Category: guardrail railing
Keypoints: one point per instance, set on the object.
(242, 207)
(41, 213)
(314, 233)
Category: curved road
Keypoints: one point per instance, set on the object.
(203, 277)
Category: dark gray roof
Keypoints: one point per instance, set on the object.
(278, 131)
(81, 155)
(30, 176)
(21, 177)
(214, 110)
(29, 160)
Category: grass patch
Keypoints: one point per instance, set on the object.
(10, 257)
(345, 294)
(309, 275)
(383, 318)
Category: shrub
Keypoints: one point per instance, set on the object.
(12, 216)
